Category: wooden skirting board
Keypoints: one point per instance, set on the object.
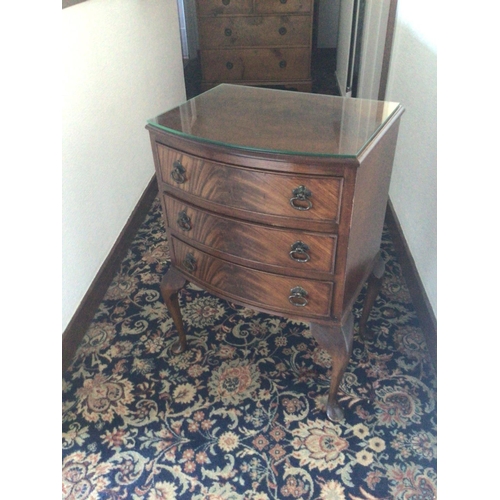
(80, 322)
(423, 308)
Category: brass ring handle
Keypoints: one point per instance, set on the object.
(300, 199)
(184, 221)
(189, 262)
(178, 173)
(298, 252)
(298, 297)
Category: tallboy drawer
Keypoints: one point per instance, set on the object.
(315, 198)
(227, 32)
(282, 6)
(284, 248)
(224, 7)
(233, 65)
(291, 295)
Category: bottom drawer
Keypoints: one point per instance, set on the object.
(271, 292)
(256, 64)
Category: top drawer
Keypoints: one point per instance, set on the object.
(314, 198)
(221, 7)
(278, 6)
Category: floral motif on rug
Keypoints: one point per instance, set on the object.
(240, 414)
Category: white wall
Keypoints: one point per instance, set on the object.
(122, 64)
(413, 83)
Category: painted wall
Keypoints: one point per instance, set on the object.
(413, 83)
(122, 64)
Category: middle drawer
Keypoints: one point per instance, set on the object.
(286, 248)
(256, 31)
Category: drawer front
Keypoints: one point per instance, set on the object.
(233, 65)
(227, 32)
(269, 291)
(251, 190)
(282, 6)
(223, 7)
(288, 249)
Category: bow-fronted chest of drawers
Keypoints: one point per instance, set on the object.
(254, 42)
(276, 200)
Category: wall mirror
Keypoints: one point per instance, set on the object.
(353, 37)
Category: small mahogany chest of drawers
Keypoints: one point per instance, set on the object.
(275, 200)
(254, 42)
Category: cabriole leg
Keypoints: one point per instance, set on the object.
(171, 283)
(336, 339)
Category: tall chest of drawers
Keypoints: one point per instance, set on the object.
(255, 42)
(276, 200)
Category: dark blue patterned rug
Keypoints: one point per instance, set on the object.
(240, 414)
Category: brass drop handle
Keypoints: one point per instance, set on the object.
(282, 31)
(178, 173)
(283, 64)
(298, 252)
(184, 221)
(298, 297)
(189, 262)
(300, 199)
(228, 32)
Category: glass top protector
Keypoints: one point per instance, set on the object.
(278, 121)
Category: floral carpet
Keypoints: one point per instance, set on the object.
(240, 414)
